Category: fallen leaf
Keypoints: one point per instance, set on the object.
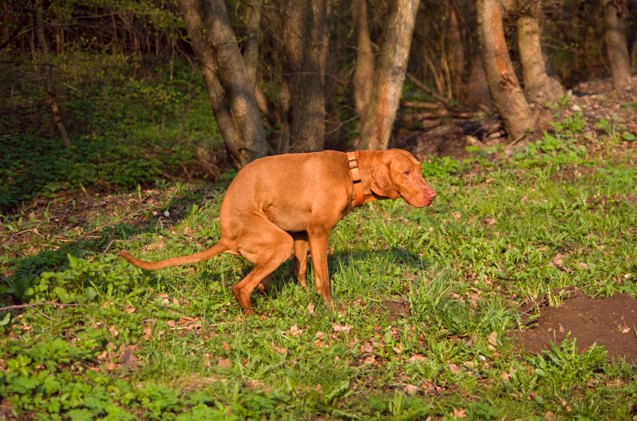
(430, 387)
(187, 320)
(416, 357)
(558, 259)
(456, 215)
(459, 413)
(207, 357)
(113, 331)
(278, 349)
(295, 331)
(371, 359)
(127, 356)
(455, 369)
(148, 328)
(410, 389)
(492, 339)
(319, 343)
(148, 332)
(129, 308)
(171, 324)
(226, 346)
(341, 328)
(310, 308)
(367, 347)
(224, 363)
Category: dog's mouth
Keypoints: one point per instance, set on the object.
(421, 202)
(422, 199)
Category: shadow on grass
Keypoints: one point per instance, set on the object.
(343, 259)
(25, 271)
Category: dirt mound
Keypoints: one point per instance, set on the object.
(611, 322)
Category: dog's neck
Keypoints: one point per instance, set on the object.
(361, 189)
(358, 195)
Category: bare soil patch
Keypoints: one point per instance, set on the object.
(611, 322)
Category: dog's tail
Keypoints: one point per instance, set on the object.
(213, 251)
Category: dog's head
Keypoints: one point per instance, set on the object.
(399, 176)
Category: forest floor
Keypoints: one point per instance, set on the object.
(457, 310)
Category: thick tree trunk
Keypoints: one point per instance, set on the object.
(391, 68)
(616, 46)
(230, 89)
(303, 94)
(507, 96)
(539, 87)
(364, 71)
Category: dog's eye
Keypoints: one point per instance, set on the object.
(407, 173)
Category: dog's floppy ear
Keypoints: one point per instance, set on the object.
(382, 184)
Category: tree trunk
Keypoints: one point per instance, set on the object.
(391, 68)
(229, 87)
(507, 96)
(616, 46)
(6, 35)
(306, 101)
(364, 71)
(39, 27)
(251, 44)
(455, 48)
(477, 86)
(539, 87)
(49, 84)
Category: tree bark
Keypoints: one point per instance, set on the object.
(49, 84)
(616, 45)
(455, 48)
(230, 89)
(305, 102)
(477, 86)
(364, 71)
(507, 96)
(251, 44)
(391, 68)
(539, 87)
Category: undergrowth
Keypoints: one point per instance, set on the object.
(130, 125)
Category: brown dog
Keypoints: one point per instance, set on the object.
(289, 202)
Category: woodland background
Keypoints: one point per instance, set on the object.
(300, 75)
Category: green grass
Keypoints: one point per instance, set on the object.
(173, 343)
(425, 298)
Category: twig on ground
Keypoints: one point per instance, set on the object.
(33, 305)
